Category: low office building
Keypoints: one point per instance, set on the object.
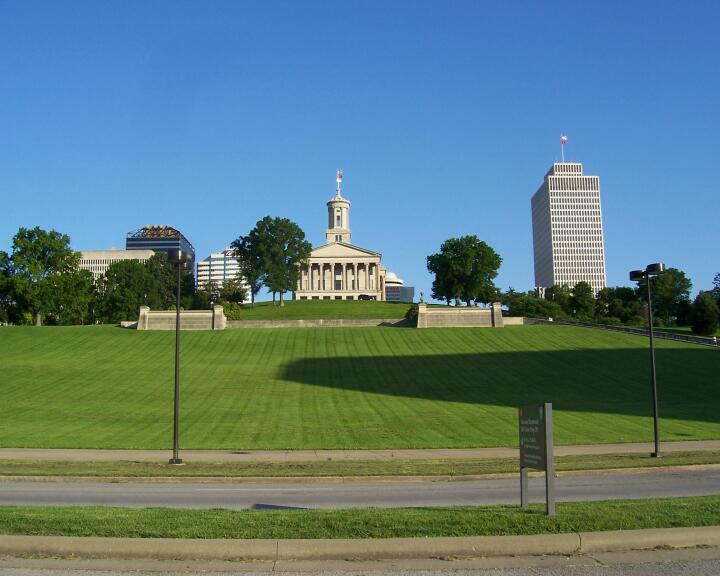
(161, 239)
(97, 261)
(395, 289)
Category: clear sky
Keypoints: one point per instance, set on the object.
(207, 116)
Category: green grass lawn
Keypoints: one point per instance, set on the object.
(685, 330)
(370, 523)
(378, 387)
(330, 309)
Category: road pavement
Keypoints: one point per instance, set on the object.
(266, 495)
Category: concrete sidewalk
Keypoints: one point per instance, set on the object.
(357, 549)
(62, 454)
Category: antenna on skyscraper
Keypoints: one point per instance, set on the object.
(563, 141)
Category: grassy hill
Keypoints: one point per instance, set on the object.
(325, 309)
(102, 386)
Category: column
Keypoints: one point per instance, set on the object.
(356, 283)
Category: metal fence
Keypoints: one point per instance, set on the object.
(658, 333)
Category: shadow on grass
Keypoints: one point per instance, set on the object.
(615, 381)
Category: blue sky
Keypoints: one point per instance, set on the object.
(208, 116)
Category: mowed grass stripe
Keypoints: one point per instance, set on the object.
(345, 387)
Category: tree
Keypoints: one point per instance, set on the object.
(716, 288)
(5, 288)
(248, 251)
(127, 285)
(285, 250)
(464, 269)
(37, 256)
(69, 297)
(233, 290)
(165, 273)
(582, 301)
(668, 290)
(561, 294)
(272, 253)
(705, 314)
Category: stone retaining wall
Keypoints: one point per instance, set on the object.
(459, 317)
(317, 323)
(189, 319)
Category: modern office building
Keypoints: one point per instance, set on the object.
(338, 270)
(567, 229)
(160, 239)
(395, 289)
(218, 267)
(97, 261)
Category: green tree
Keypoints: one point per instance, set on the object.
(69, 297)
(272, 252)
(668, 290)
(716, 288)
(127, 285)
(37, 256)
(233, 290)
(285, 249)
(582, 301)
(165, 272)
(464, 269)
(248, 250)
(561, 294)
(6, 299)
(705, 314)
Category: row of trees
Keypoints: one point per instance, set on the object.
(465, 269)
(40, 281)
(625, 305)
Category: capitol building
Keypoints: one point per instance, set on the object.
(337, 270)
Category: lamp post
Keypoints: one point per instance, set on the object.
(178, 257)
(638, 276)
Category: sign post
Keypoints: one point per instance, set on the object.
(536, 450)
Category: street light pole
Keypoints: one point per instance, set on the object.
(656, 453)
(178, 257)
(638, 276)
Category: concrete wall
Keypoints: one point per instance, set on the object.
(459, 317)
(189, 319)
(513, 320)
(318, 323)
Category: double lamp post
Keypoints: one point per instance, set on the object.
(640, 276)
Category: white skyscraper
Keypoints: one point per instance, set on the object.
(567, 229)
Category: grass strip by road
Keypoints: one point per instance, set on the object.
(391, 467)
(369, 523)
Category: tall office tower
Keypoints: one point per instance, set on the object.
(567, 229)
(218, 267)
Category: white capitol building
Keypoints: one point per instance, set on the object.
(337, 270)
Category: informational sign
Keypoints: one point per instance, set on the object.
(536, 450)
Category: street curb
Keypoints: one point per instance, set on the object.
(358, 549)
(349, 479)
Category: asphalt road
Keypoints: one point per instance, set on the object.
(267, 495)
